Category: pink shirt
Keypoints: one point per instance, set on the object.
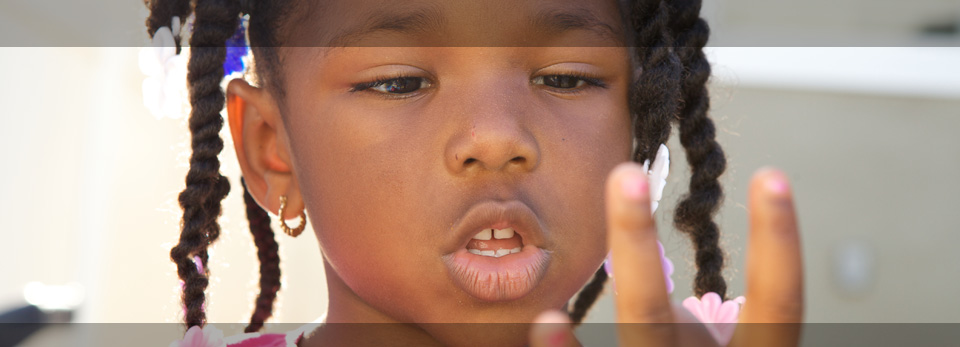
(269, 340)
(289, 339)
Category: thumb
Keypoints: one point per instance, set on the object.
(552, 329)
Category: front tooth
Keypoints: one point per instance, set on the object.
(474, 251)
(503, 233)
(515, 250)
(486, 234)
(502, 252)
(488, 253)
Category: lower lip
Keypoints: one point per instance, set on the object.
(509, 277)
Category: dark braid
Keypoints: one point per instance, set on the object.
(201, 200)
(216, 21)
(654, 100)
(588, 295)
(161, 15)
(656, 96)
(269, 261)
(694, 214)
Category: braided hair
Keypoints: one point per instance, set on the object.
(215, 22)
(668, 37)
(698, 137)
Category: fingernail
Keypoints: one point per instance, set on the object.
(552, 317)
(634, 187)
(778, 186)
(558, 338)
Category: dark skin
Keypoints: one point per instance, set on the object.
(384, 170)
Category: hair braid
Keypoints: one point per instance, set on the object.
(694, 214)
(162, 13)
(656, 94)
(205, 186)
(588, 296)
(269, 261)
(654, 100)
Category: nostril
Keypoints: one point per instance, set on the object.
(469, 161)
(518, 160)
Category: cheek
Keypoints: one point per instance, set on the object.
(371, 191)
(580, 150)
(344, 175)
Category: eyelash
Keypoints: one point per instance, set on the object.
(382, 80)
(590, 82)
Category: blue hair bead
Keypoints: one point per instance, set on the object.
(237, 49)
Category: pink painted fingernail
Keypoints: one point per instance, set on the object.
(557, 339)
(634, 187)
(778, 186)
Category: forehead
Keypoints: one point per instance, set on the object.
(464, 23)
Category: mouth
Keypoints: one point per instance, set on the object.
(497, 255)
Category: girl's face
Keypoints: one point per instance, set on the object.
(404, 154)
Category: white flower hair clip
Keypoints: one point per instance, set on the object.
(165, 88)
(657, 178)
(657, 175)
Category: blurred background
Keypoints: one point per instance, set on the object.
(867, 134)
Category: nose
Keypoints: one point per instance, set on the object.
(494, 132)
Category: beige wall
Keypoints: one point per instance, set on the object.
(90, 196)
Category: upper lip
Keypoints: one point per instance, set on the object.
(498, 215)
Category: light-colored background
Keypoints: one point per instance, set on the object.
(868, 136)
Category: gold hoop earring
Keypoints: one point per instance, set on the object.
(283, 224)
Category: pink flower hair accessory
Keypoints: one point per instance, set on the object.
(208, 336)
(720, 317)
(666, 266)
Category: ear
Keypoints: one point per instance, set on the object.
(260, 141)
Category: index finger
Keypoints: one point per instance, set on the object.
(774, 265)
(638, 278)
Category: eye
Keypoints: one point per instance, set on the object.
(568, 82)
(395, 85)
(563, 81)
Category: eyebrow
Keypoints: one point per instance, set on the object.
(551, 22)
(556, 22)
(422, 20)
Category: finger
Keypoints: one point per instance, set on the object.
(552, 329)
(774, 265)
(632, 236)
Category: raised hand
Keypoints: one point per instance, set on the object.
(774, 271)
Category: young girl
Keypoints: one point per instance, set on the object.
(451, 157)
